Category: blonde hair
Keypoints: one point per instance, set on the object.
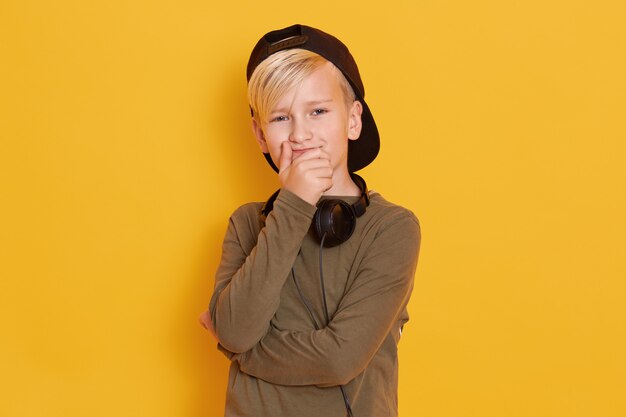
(282, 71)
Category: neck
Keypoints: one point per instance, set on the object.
(343, 185)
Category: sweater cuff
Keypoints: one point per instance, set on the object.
(292, 202)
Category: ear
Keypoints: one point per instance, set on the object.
(354, 120)
(260, 136)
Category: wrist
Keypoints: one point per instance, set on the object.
(303, 201)
(308, 197)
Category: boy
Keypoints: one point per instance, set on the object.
(311, 292)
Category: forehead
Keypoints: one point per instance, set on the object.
(321, 84)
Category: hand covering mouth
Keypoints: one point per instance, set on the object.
(297, 152)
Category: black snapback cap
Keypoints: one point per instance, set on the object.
(361, 152)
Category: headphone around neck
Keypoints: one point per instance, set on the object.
(334, 219)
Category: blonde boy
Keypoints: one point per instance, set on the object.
(311, 292)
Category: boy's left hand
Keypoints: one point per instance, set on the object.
(205, 321)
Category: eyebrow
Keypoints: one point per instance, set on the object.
(308, 103)
(326, 100)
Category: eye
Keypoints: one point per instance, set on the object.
(279, 119)
(318, 112)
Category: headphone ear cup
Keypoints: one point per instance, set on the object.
(336, 219)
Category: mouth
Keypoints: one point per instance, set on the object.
(297, 152)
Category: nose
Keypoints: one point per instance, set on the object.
(300, 131)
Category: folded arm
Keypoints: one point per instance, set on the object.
(336, 354)
(250, 276)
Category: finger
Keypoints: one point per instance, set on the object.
(318, 152)
(323, 153)
(285, 156)
(321, 173)
(312, 155)
(325, 184)
(308, 164)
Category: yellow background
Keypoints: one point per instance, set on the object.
(125, 145)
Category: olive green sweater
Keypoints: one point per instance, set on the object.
(281, 365)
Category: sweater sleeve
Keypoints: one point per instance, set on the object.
(250, 277)
(366, 314)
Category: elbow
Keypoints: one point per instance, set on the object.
(235, 343)
(232, 346)
(237, 340)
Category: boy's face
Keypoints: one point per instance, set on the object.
(312, 115)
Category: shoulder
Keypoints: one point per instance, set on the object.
(391, 228)
(387, 214)
(244, 225)
(247, 217)
(391, 236)
(248, 210)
